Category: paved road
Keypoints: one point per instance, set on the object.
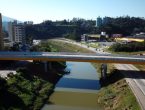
(135, 80)
(4, 73)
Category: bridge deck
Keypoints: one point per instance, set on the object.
(80, 57)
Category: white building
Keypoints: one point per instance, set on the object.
(36, 42)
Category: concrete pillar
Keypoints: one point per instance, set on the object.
(104, 71)
(49, 65)
(45, 66)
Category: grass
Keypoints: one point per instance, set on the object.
(94, 44)
(115, 94)
(140, 67)
(67, 47)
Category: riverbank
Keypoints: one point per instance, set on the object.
(23, 91)
(115, 93)
(29, 88)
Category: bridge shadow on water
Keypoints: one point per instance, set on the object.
(52, 76)
(117, 75)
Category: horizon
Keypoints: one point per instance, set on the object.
(39, 11)
(72, 18)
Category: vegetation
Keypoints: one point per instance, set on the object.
(125, 25)
(140, 67)
(115, 93)
(74, 28)
(28, 90)
(24, 92)
(129, 47)
(69, 29)
(31, 87)
(67, 47)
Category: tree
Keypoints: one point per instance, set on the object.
(15, 47)
(3, 84)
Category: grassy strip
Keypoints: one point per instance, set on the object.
(116, 95)
(140, 67)
(67, 47)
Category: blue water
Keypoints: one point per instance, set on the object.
(82, 76)
(79, 83)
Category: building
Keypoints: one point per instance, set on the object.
(1, 34)
(106, 20)
(19, 33)
(102, 21)
(36, 42)
(28, 22)
(90, 37)
(128, 40)
(99, 22)
(117, 35)
(10, 33)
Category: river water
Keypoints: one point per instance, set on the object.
(77, 90)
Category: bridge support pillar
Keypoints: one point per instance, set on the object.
(45, 66)
(49, 65)
(104, 71)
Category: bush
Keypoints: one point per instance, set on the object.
(22, 71)
(129, 47)
(38, 103)
(3, 84)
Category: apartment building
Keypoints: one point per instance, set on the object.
(19, 33)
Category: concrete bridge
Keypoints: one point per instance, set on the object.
(79, 57)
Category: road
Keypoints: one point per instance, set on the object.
(4, 73)
(134, 78)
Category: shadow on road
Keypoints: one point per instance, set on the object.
(117, 75)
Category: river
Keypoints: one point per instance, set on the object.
(77, 90)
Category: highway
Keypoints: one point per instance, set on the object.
(80, 57)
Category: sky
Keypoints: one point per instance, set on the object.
(40, 10)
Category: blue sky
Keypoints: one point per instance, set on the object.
(39, 10)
